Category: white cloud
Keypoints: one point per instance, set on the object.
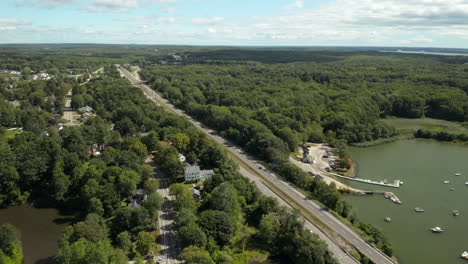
(361, 22)
(341, 22)
(297, 4)
(113, 6)
(151, 19)
(9, 24)
(43, 3)
(205, 20)
(117, 3)
(417, 40)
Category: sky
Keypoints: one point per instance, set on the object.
(412, 23)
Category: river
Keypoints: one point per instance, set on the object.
(422, 166)
(40, 230)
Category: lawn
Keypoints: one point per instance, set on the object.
(407, 124)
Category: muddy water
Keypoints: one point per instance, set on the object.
(40, 230)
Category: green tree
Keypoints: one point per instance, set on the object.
(217, 225)
(195, 255)
(153, 203)
(151, 141)
(124, 241)
(181, 142)
(225, 198)
(144, 243)
(151, 185)
(10, 245)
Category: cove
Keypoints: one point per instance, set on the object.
(423, 166)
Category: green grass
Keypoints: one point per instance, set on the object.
(409, 125)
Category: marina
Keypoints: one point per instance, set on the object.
(417, 163)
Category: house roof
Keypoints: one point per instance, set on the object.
(192, 169)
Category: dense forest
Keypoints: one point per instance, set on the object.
(56, 168)
(268, 103)
(272, 108)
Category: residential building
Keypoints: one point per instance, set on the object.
(193, 173)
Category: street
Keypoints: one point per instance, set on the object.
(168, 237)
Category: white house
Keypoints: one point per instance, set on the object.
(193, 173)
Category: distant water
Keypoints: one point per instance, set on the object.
(40, 230)
(422, 166)
(426, 52)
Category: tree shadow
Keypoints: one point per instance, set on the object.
(48, 260)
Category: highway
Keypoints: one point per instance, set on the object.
(335, 233)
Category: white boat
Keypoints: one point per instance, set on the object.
(458, 174)
(456, 213)
(464, 255)
(387, 219)
(446, 181)
(466, 183)
(419, 209)
(401, 182)
(436, 229)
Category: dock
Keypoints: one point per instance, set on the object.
(395, 184)
(388, 195)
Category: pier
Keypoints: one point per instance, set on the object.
(395, 184)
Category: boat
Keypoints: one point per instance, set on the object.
(401, 182)
(466, 183)
(436, 229)
(387, 219)
(395, 200)
(456, 213)
(458, 174)
(419, 209)
(446, 181)
(464, 255)
(452, 189)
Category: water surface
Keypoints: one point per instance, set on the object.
(422, 166)
(40, 230)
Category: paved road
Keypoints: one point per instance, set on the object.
(68, 112)
(169, 244)
(337, 232)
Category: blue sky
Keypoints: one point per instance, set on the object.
(421, 23)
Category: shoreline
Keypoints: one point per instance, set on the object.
(381, 141)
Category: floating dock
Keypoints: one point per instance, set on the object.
(395, 184)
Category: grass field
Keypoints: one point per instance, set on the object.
(407, 124)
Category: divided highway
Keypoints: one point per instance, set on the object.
(329, 228)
